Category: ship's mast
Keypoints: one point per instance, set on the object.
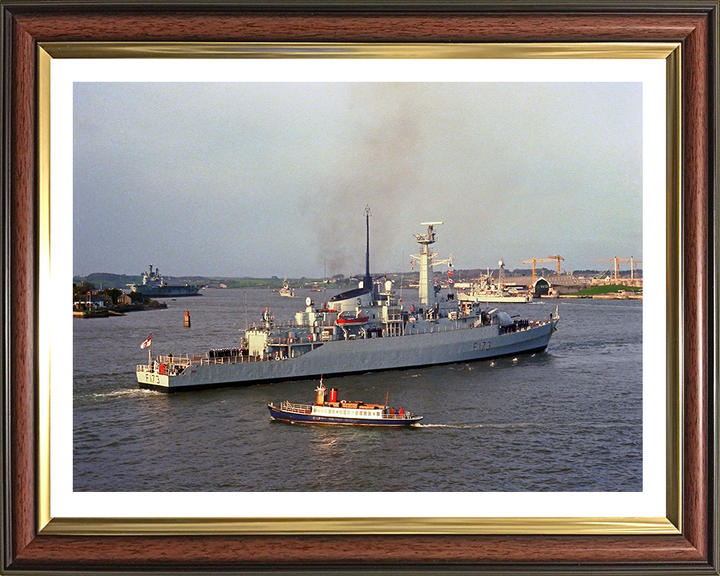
(426, 288)
(367, 282)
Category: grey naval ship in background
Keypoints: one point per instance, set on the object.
(154, 286)
(361, 330)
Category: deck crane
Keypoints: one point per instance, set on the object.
(548, 259)
(617, 265)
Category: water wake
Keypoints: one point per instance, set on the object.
(478, 425)
(131, 392)
(516, 426)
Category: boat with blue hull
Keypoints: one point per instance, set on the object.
(327, 409)
(364, 329)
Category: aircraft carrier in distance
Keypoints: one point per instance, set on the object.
(153, 286)
(361, 330)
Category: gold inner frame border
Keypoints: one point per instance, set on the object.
(671, 524)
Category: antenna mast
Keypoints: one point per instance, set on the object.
(367, 283)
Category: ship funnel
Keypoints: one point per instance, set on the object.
(320, 398)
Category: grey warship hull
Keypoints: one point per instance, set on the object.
(169, 291)
(343, 357)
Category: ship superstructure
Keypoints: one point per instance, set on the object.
(361, 330)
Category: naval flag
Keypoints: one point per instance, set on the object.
(147, 342)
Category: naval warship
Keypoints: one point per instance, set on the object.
(486, 291)
(153, 286)
(363, 329)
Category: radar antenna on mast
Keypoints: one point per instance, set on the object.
(428, 238)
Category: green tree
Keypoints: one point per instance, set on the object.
(113, 294)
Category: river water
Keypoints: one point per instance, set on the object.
(568, 419)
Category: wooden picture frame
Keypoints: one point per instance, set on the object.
(27, 25)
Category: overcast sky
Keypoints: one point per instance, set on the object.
(263, 179)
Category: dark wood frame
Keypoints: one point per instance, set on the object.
(692, 23)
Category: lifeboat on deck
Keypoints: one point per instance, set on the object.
(350, 320)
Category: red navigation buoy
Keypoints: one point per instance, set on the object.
(187, 319)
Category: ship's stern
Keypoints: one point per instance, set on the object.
(149, 378)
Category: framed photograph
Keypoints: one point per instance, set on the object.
(331, 130)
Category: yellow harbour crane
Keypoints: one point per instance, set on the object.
(633, 270)
(558, 258)
(548, 259)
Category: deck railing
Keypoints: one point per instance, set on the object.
(182, 360)
(296, 408)
(187, 361)
(205, 361)
(240, 359)
(404, 416)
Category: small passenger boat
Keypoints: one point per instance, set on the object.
(328, 410)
